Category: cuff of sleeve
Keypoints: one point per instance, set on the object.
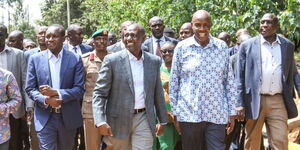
(100, 124)
(46, 105)
(59, 95)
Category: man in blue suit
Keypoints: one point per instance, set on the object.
(75, 37)
(266, 72)
(55, 82)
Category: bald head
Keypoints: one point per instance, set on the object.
(134, 37)
(202, 15)
(239, 32)
(123, 28)
(15, 39)
(242, 38)
(225, 37)
(186, 31)
(201, 24)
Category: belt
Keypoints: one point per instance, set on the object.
(56, 110)
(136, 111)
(270, 94)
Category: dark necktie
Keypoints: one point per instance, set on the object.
(75, 49)
(158, 52)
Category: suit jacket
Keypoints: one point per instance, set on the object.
(16, 64)
(30, 52)
(115, 47)
(249, 72)
(71, 88)
(83, 47)
(113, 100)
(148, 44)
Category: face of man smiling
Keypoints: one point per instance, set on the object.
(201, 24)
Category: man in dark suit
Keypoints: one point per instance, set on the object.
(265, 73)
(55, 82)
(119, 45)
(128, 97)
(153, 44)
(41, 41)
(75, 37)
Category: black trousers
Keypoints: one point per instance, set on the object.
(19, 132)
(202, 136)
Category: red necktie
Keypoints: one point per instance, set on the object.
(158, 52)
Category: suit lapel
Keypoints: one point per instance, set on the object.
(283, 48)
(46, 68)
(151, 50)
(127, 69)
(147, 72)
(257, 53)
(10, 60)
(64, 65)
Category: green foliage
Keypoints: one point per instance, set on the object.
(228, 15)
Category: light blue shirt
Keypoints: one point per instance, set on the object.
(202, 86)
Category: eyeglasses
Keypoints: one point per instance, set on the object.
(165, 51)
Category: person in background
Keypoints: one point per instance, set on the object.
(168, 140)
(29, 44)
(92, 63)
(154, 43)
(120, 45)
(15, 39)
(226, 38)
(186, 31)
(10, 100)
(169, 33)
(75, 38)
(112, 39)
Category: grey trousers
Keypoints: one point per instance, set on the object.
(202, 136)
(140, 138)
(4, 146)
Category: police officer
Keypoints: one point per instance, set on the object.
(92, 64)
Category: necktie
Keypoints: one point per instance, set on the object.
(75, 49)
(158, 52)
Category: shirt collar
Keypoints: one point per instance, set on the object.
(6, 49)
(263, 40)
(192, 41)
(132, 57)
(162, 39)
(72, 47)
(50, 54)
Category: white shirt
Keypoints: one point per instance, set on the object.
(71, 48)
(271, 67)
(3, 57)
(154, 42)
(137, 71)
(55, 65)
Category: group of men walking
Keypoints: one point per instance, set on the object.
(150, 93)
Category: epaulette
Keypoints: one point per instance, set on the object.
(85, 55)
(92, 56)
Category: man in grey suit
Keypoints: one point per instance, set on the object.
(153, 44)
(119, 45)
(13, 60)
(128, 97)
(265, 73)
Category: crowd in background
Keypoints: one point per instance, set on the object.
(190, 92)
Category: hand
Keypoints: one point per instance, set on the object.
(159, 129)
(53, 101)
(240, 113)
(230, 125)
(29, 114)
(176, 124)
(46, 90)
(170, 118)
(105, 129)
